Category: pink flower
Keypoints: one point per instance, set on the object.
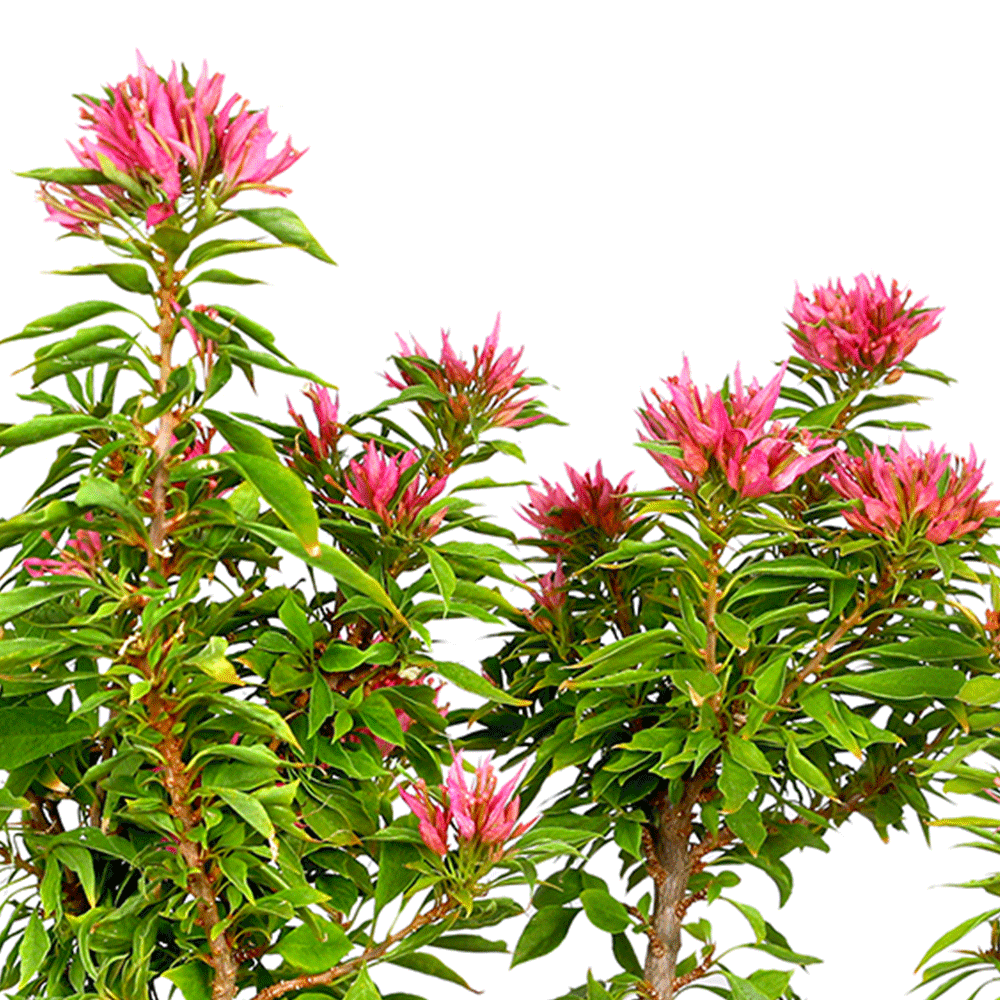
(326, 410)
(171, 138)
(865, 328)
(434, 819)
(490, 388)
(551, 593)
(483, 814)
(595, 503)
(374, 482)
(80, 557)
(932, 492)
(730, 435)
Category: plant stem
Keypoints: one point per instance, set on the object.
(164, 434)
(375, 952)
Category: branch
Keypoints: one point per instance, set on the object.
(375, 952)
(697, 973)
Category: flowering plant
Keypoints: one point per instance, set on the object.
(706, 659)
(202, 762)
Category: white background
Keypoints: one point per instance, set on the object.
(626, 182)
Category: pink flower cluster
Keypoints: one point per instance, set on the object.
(324, 444)
(866, 328)
(80, 557)
(595, 503)
(374, 482)
(756, 458)
(481, 816)
(932, 491)
(488, 388)
(165, 134)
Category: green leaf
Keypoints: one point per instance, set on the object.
(806, 771)
(743, 989)
(241, 437)
(131, 277)
(544, 932)
(116, 176)
(468, 942)
(748, 826)
(80, 312)
(736, 783)
(332, 561)
(956, 934)
(978, 691)
(748, 754)
(444, 575)
(285, 492)
(253, 330)
(76, 176)
(286, 226)
(46, 426)
(212, 660)
(303, 949)
(249, 809)
(430, 965)
(86, 337)
(222, 248)
(222, 277)
(735, 631)
(468, 680)
(33, 733)
(380, 717)
(802, 567)
(193, 980)
(363, 988)
(16, 602)
(34, 947)
(604, 911)
(757, 923)
(320, 705)
(904, 683)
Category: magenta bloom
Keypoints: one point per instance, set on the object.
(932, 492)
(326, 410)
(595, 503)
(488, 388)
(373, 483)
(731, 435)
(80, 557)
(434, 819)
(484, 814)
(170, 138)
(551, 593)
(865, 328)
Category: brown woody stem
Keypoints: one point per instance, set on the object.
(371, 954)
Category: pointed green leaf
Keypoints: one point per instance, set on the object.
(363, 988)
(285, 492)
(249, 809)
(430, 965)
(33, 949)
(131, 277)
(444, 575)
(222, 277)
(76, 176)
(544, 932)
(956, 934)
(80, 312)
(904, 683)
(46, 426)
(306, 951)
(604, 911)
(286, 226)
(332, 561)
(735, 631)
(468, 680)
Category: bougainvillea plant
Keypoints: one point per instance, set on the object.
(203, 760)
(731, 665)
